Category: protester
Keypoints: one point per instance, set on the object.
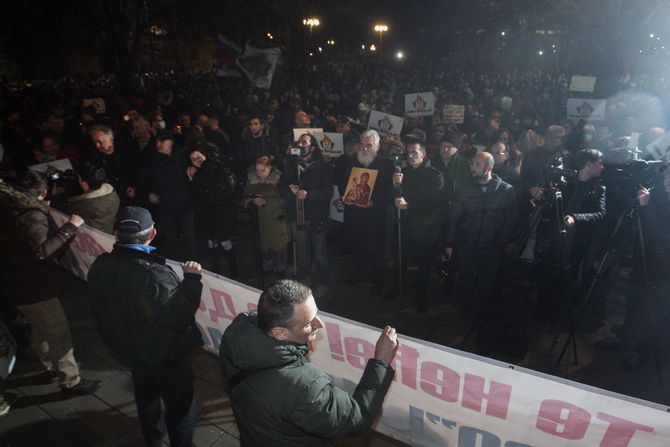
(99, 202)
(264, 353)
(29, 278)
(262, 193)
(212, 184)
(145, 315)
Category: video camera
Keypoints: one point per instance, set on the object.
(554, 175)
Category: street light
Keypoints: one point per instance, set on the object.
(381, 29)
(373, 47)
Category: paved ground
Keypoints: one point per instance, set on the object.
(108, 418)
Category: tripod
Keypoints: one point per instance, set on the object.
(300, 238)
(552, 199)
(629, 216)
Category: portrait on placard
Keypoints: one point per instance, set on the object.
(360, 186)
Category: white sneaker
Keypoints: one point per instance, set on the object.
(4, 406)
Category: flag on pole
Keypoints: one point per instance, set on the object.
(226, 56)
(259, 64)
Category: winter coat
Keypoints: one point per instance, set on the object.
(421, 188)
(272, 224)
(144, 313)
(166, 176)
(30, 243)
(291, 402)
(482, 219)
(212, 190)
(98, 208)
(317, 180)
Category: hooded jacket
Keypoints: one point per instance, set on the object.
(98, 208)
(29, 246)
(289, 401)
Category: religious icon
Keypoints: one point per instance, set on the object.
(360, 186)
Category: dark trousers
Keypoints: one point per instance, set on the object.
(478, 272)
(173, 384)
(310, 243)
(176, 234)
(421, 253)
(368, 241)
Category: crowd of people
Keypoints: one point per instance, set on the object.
(514, 181)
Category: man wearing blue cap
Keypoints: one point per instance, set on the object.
(146, 316)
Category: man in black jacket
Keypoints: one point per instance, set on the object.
(307, 182)
(480, 225)
(146, 317)
(165, 186)
(584, 208)
(418, 190)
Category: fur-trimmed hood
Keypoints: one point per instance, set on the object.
(18, 201)
(273, 178)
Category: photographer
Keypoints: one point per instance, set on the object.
(99, 202)
(417, 194)
(537, 160)
(583, 207)
(647, 307)
(307, 185)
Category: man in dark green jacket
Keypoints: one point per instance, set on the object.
(281, 399)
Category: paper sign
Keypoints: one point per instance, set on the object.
(332, 143)
(384, 123)
(588, 109)
(582, 83)
(420, 104)
(305, 130)
(62, 164)
(453, 114)
(98, 103)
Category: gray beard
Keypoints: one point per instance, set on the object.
(366, 159)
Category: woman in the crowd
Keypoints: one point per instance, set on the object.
(261, 194)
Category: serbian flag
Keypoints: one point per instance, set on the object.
(226, 56)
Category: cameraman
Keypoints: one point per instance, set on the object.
(308, 179)
(584, 207)
(418, 193)
(646, 312)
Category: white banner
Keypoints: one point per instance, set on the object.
(420, 104)
(336, 206)
(259, 65)
(62, 165)
(384, 123)
(441, 396)
(589, 109)
(582, 83)
(453, 114)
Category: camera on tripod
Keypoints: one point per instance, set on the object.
(555, 175)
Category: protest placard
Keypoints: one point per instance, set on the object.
(420, 104)
(582, 83)
(453, 114)
(588, 109)
(385, 123)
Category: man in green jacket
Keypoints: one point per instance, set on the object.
(281, 399)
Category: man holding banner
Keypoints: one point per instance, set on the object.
(145, 315)
(280, 398)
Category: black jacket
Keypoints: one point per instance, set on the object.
(212, 189)
(421, 188)
(482, 219)
(166, 176)
(317, 180)
(144, 313)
